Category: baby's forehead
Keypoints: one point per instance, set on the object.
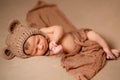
(33, 37)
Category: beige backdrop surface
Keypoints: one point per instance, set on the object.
(101, 15)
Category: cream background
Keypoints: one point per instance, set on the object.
(101, 15)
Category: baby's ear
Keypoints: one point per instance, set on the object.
(7, 54)
(13, 25)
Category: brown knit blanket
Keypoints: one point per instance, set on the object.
(88, 57)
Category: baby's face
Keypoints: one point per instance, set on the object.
(36, 45)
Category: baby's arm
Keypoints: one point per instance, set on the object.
(96, 37)
(57, 33)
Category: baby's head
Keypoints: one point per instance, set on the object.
(24, 41)
(36, 45)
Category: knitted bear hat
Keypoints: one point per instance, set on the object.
(16, 39)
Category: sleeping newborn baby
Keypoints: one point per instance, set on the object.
(37, 45)
(25, 41)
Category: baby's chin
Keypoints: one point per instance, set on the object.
(41, 53)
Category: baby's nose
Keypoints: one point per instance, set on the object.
(40, 46)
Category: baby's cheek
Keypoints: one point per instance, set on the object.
(39, 53)
(27, 52)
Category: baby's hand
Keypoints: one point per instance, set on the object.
(55, 48)
(52, 44)
(110, 56)
(114, 54)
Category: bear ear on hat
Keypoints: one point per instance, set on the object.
(13, 25)
(7, 54)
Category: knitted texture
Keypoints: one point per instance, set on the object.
(16, 39)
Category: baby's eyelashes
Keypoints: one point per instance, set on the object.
(38, 41)
(36, 50)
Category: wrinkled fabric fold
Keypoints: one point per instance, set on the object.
(86, 60)
(45, 14)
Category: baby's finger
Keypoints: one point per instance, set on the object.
(116, 52)
(111, 57)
